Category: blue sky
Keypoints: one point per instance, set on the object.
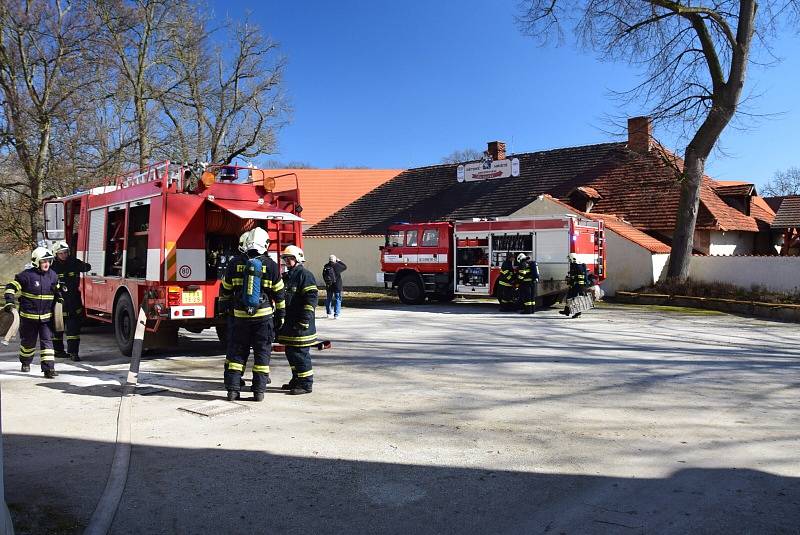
(402, 84)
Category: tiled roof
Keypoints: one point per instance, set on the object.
(733, 188)
(590, 193)
(628, 231)
(324, 191)
(775, 202)
(641, 188)
(788, 215)
(433, 193)
(761, 212)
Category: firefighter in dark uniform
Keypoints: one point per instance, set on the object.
(252, 326)
(506, 289)
(577, 279)
(69, 271)
(225, 300)
(299, 332)
(527, 276)
(38, 290)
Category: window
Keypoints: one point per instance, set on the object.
(115, 241)
(430, 238)
(411, 238)
(54, 220)
(394, 238)
(138, 227)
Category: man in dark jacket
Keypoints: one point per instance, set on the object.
(507, 285)
(37, 289)
(332, 276)
(578, 279)
(299, 331)
(69, 271)
(252, 324)
(527, 277)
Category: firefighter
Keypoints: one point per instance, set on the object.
(253, 286)
(38, 290)
(299, 332)
(69, 271)
(527, 276)
(577, 279)
(224, 305)
(506, 290)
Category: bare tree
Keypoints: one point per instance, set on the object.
(783, 183)
(464, 155)
(695, 56)
(135, 40)
(230, 103)
(42, 73)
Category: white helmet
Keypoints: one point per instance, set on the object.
(258, 240)
(521, 257)
(60, 247)
(295, 251)
(39, 254)
(243, 241)
(572, 257)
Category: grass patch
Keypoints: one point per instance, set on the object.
(721, 290)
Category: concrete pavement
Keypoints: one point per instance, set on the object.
(433, 419)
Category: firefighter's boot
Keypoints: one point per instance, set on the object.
(50, 374)
(233, 395)
(290, 385)
(26, 368)
(300, 389)
(74, 357)
(61, 354)
(578, 315)
(258, 396)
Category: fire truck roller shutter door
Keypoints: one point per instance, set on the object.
(224, 223)
(253, 210)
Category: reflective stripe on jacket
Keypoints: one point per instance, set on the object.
(299, 329)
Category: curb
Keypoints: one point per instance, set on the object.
(774, 311)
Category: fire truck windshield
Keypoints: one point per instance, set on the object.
(394, 238)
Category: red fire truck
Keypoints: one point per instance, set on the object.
(444, 259)
(161, 237)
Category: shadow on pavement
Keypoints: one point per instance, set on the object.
(53, 484)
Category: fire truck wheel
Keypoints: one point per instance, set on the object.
(410, 291)
(222, 334)
(124, 324)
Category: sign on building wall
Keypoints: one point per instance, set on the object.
(487, 170)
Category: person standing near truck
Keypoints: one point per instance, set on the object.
(255, 289)
(299, 331)
(332, 276)
(69, 271)
(38, 290)
(507, 285)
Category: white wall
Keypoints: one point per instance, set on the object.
(776, 273)
(730, 243)
(360, 253)
(629, 265)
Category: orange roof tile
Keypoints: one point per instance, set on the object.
(325, 191)
(628, 231)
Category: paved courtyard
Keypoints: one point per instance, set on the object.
(432, 419)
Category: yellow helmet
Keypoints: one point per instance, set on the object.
(40, 254)
(294, 251)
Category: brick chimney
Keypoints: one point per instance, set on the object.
(640, 134)
(497, 150)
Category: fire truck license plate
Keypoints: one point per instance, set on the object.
(194, 297)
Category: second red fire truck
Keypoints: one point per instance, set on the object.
(160, 238)
(443, 259)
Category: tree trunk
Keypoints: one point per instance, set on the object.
(683, 237)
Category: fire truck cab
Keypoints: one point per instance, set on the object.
(443, 259)
(160, 238)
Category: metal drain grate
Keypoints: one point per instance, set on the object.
(215, 407)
